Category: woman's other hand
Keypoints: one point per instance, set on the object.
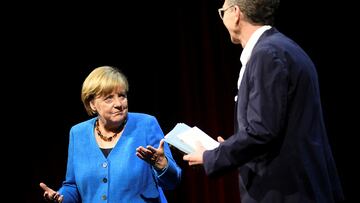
(155, 157)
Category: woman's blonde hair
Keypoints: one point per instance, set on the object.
(101, 81)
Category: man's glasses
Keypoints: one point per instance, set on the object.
(222, 11)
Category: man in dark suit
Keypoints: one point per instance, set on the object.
(280, 143)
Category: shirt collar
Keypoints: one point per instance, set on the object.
(245, 54)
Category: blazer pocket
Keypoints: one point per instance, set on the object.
(150, 193)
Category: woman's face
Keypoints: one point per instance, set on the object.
(112, 108)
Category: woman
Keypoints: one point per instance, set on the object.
(102, 163)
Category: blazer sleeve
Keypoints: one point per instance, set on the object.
(69, 188)
(170, 176)
(261, 109)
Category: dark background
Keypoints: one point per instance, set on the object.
(181, 66)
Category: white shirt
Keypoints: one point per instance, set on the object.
(246, 53)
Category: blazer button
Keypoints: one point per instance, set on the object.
(104, 165)
(103, 197)
(105, 180)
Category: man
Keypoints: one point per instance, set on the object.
(280, 143)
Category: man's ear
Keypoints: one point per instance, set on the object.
(238, 13)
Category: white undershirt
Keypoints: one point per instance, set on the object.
(246, 53)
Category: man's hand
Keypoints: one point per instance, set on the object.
(196, 157)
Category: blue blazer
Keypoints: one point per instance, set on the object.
(280, 141)
(122, 176)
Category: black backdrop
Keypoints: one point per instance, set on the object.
(181, 67)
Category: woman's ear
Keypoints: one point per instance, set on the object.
(92, 105)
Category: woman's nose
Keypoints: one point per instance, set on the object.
(119, 101)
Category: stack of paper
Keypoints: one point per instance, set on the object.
(185, 138)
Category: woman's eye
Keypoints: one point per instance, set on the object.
(121, 95)
(108, 99)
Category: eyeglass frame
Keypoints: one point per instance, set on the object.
(222, 11)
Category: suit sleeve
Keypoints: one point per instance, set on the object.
(260, 114)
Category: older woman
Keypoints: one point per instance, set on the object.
(103, 163)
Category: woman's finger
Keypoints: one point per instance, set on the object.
(161, 145)
(151, 149)
(44, 187)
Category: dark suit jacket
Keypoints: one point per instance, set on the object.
(280, 141)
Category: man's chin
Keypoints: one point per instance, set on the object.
(235, 41)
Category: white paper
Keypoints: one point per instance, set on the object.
(185, 138)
